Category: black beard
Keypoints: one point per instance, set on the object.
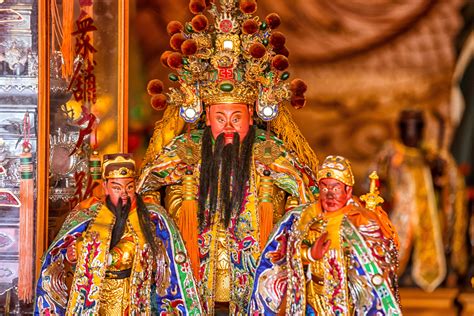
(227, 167)
(121, 214)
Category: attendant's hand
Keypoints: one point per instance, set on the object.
(320, 247)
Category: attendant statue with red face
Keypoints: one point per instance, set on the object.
(227, 160)
(332, 257)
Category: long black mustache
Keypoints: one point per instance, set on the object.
(121, 215)
(224, 166)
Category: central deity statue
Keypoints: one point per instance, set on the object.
(227, 160)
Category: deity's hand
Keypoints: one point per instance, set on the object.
(320, 247)
(71, 253)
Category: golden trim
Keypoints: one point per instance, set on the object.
(122, 83)
(42, 183)
(121, 173)
(117, 160)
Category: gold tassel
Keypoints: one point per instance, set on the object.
(25, 269)
(170, 126)
(265, 207)
(286, 129)
(188, 222)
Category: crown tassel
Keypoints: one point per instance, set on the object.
(265, 207)
(188, 222)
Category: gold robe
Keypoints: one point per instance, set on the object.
(99, 269)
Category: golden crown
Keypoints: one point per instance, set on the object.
(239, 94)
(336, 167)
(235, 59)
(118, 166)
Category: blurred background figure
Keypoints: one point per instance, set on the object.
(426, 200)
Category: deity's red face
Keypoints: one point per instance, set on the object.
(121, 188)
(228, 119)
(333, 194)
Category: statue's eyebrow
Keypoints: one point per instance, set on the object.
(237, 112)
(117, 183)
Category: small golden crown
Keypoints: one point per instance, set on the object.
(238, 59)
(336, 167)
(118, 166)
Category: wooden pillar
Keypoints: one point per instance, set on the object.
(42, 166)
(123, 60)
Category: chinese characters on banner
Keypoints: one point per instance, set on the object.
(83, 87)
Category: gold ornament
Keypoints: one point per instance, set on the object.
(189, 152)
(372, 199)
(267, 152)
(241, 93)
(123, 172)
(230, 66)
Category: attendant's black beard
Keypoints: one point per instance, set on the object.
(121, 214)
(229, 164)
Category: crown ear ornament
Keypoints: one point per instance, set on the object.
(226, 55)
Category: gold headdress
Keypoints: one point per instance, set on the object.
(336, 167)
(238, 59)
(118, 166)
(227, 55)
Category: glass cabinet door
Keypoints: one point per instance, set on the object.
(63, 89)
(18, 130)
(88, 109)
